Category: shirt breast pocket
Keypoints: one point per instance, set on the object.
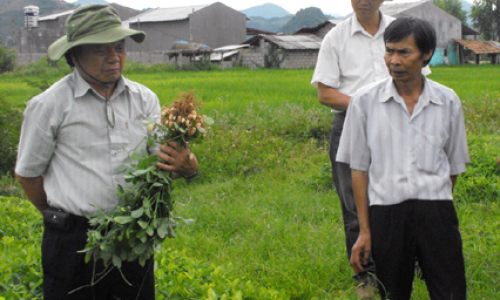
(430, 152)
(138, 133)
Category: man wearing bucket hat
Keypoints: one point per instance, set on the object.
(74, 137)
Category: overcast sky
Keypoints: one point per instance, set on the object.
(341, 7)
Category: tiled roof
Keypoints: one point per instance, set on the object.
(478, 47)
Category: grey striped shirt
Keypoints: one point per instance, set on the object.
(66, 138)
(406, 157)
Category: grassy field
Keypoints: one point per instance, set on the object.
(267, 215)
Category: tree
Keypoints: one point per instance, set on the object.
(308, 17)
(486, 18)
(453, 7)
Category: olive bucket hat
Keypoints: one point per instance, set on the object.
(92, 24)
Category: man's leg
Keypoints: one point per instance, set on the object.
(141, 278)
(393, 249)
(64, 269)
(440, 250)
(342, 179)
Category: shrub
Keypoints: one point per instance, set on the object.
(7, 59)
(10, 128)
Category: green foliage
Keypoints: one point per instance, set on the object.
(140, 222)
(486, 18)
(10, 128)
(265, 210)
(481, 182)
(7, 59)
(186, 278)
(10, 187)
(308, 17)
(20, 241)
(453, 7)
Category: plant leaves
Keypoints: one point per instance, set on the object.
(137, 213)
(117, 261)
(139, 248)
(208, 120)
(123, 220)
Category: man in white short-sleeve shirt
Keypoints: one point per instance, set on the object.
(404, 138)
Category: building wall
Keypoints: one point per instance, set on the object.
(218, 25)
(215, 26)
(447, 28)
(160, 35)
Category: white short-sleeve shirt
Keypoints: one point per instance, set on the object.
(406, 156)
(350, 58)
(66, 138)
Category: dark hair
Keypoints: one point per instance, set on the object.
(73, 52)
(422, 31)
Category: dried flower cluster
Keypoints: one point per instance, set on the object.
(181, 121)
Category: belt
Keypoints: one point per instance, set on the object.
(77, 221)
(62, 220)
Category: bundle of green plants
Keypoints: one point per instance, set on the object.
(143, 217)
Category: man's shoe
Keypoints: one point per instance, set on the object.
(366, 290)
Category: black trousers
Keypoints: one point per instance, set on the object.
(64, 270)
(427, 230)
(342, 179)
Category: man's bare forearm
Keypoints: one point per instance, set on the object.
(33, 187)
(360, 188)
(332, 97)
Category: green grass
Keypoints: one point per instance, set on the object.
(267, 217)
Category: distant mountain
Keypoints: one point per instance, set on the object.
(273, 25)
(309, 17)
(83, 2)
(266, 11)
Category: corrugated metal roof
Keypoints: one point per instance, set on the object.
(166, 14)
(290, 42)
(55, 16)
(398, 7)
(231, 48)
(478, 47)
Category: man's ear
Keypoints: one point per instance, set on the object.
(427, 56)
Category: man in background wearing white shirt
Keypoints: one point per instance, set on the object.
(351, 56)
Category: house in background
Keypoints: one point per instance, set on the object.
(281, 51)
(448, 28)
(321, 30)
(214, 25)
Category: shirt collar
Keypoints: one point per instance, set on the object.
(356, 27)
(82, 87)
(428, 94)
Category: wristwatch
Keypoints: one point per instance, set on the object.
(192, 175)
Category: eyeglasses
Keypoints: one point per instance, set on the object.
(110, 112)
